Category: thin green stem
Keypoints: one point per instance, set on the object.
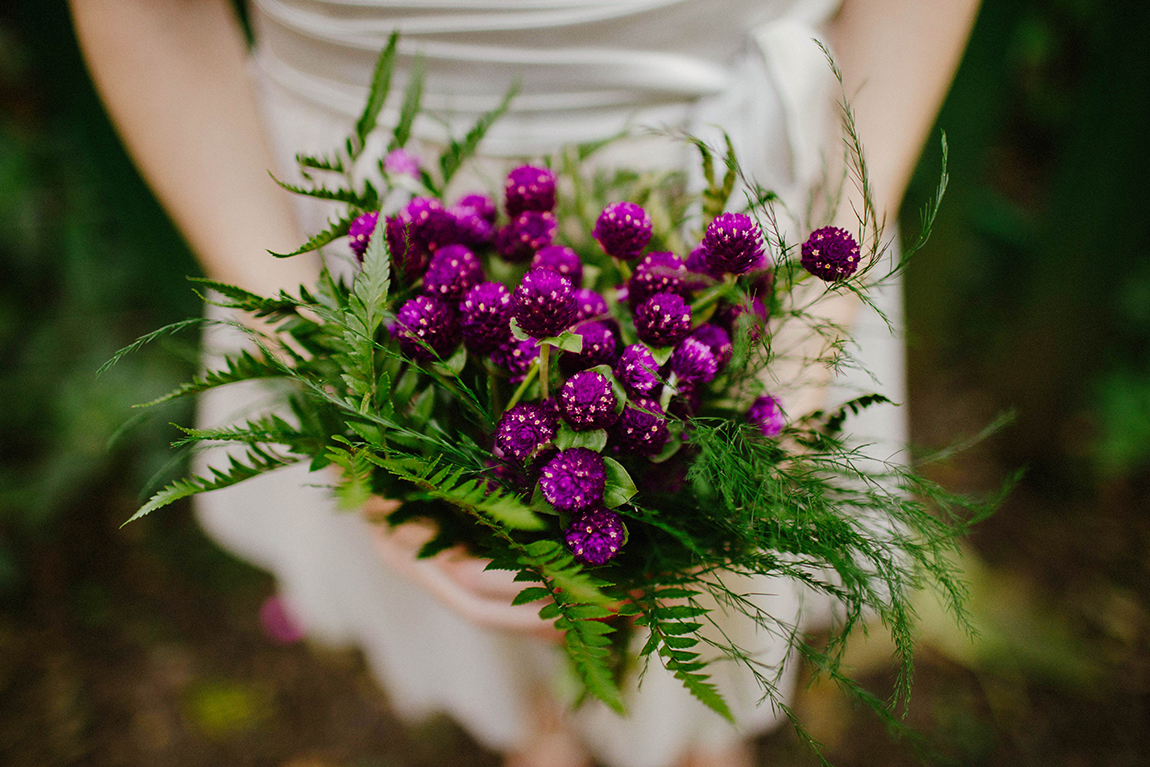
(527, 379)
(544, 367)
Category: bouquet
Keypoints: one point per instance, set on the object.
(581, 385)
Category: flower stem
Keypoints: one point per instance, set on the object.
(668, 392)
(544, 366)
(527, 379)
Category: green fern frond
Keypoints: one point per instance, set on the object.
(411, 102)
(459, 151)
(377, 94)
(334, 231)
(244, 366)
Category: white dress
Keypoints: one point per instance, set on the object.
(587, 69)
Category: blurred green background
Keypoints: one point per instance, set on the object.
(144, 646)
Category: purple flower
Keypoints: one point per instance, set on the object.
(587, 402)
(360, 231)
(529, 188)
(544, 303)
(427, 320)
(485, 317)
(637, 369)
(516, 357)
(560, 259)
(401, 163)
(697, 263)
(453, 271)
(641, 429)
(479, 205)
(717, 340)
(664, 319)
(594, 536)
(574, 480)
(830, 253)
(524, 430)
(589, 305)
(767, 414)
(600, 347)
(623, 230)
(694, 361)
(733, 244)
(657, 272)
(474, 219)
(525, 235)
(419, 229)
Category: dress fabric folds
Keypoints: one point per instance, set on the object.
(587, 69)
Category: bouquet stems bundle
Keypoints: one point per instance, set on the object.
(575, 388)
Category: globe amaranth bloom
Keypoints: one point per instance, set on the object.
(474, 219)
(594, 536)
(485, 317)
(694, 361)
(516, 357)
(360, 231)
(426, 320)
(574, 480)
(419, 229)
(453, 271)
(561, 259)
(525, 235)
(529, 188)
(623, 229)
(732, 244)
(600, 347)
(586, 401)
(717, 339)
(401, 163)
(637, 369)
(544, 303)
(830, 253)
(524, 431)
(767, 414)
(664, 319)
(589, 305)
(641, 429)
(697, 263)
(658, 272)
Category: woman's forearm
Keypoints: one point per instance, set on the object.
(172, 74)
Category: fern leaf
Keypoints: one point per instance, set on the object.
(243, 367)
(167, 330)
(458, 152)
(334, 231)
(348, 196)
(377, 94)
(411, 100)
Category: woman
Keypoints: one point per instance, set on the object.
(204, 122)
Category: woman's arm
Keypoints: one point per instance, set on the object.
(172, 74)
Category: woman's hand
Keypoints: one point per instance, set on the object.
(454, 577)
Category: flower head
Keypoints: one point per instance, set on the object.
(767, 414)
(600, 347)
(485, 317)
(830, 253)
(694, 361)
(474, 219)
(587, 402)
(623, 230)
(637, 369)
(401, 163)
(453, 271)
(589, 305)
(574, 480)
(360, 231)
(524, 430)
(658, 272)
(426, 328)
(516, 357)
(544, 303)
(733, 244)
(529, 188)
(525, 235)
(419, 229)
(560, 259)
(697, 263)
(717, 339)
(594, 536)
(664, 319)
(641, 429)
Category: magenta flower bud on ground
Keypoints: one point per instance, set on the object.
(717, 339)
(594, 536)
(429, 320)
(694, 361)
(623, 230)
(524, 430)
(574, 480)
(830, 253)
(560, 259)
(359, 233)
(544, 303)
(658, 272)
(600, 347)
(641, 429)
(529, 188)
(402, 163)
(637, 369)
(589, 305)
(587, 402)
(485, 317)
(525, 235)
(733, 244)
(516, 357)
(664, 319)
(453, 271)
(767, 414)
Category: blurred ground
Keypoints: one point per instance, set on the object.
(143, 646)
